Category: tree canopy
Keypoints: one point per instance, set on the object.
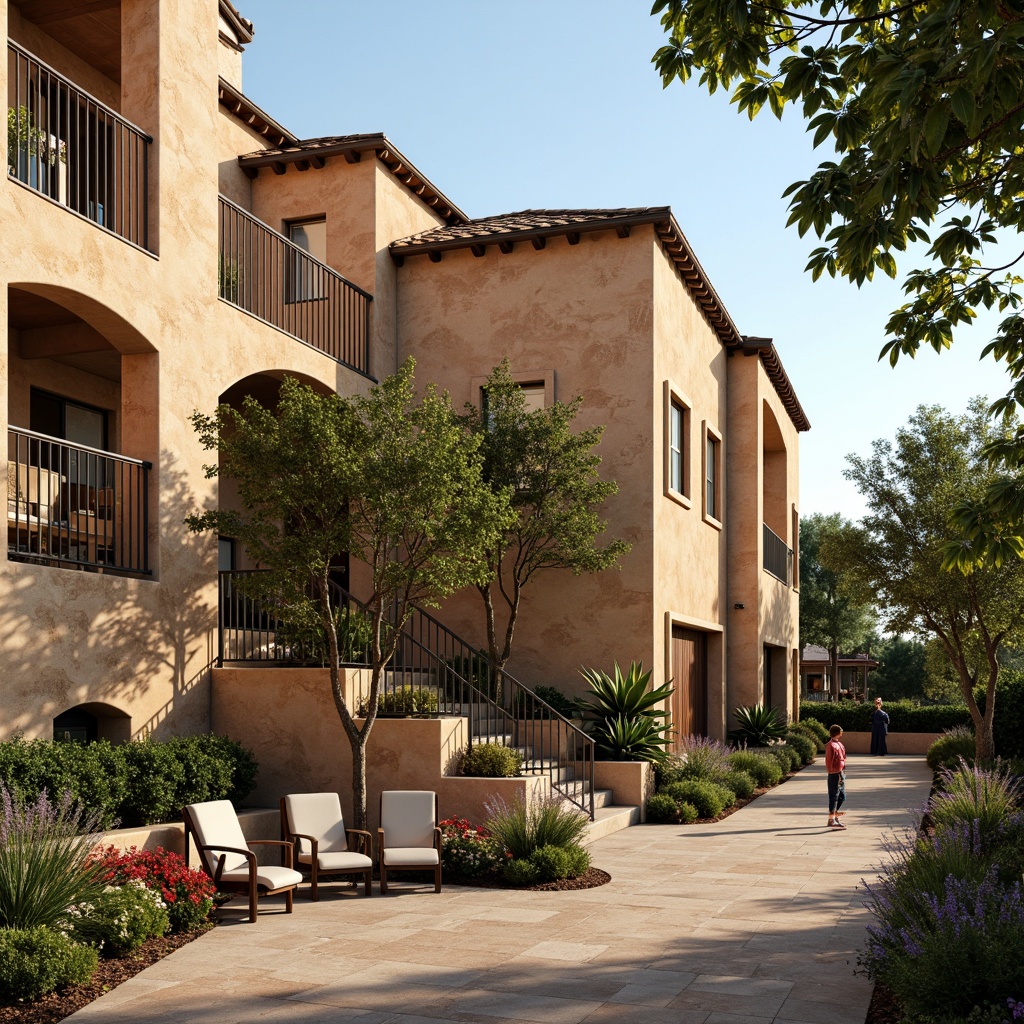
(895, 554)
(551, 472)
(393, 480)
(923, 105)
(831, 614)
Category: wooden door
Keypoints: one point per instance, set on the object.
(690, 682)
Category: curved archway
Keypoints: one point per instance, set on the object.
(86, 723)
(774, 474)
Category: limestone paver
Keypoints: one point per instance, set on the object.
(754, 919)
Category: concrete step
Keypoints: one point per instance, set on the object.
(611, 818)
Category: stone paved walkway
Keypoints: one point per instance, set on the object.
(754, 919)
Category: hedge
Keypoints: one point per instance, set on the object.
(132, 784)
(904, 715)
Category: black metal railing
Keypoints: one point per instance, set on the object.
(69, 146)
(73, 506)
(778, 557)
(433, 671)
(274, 279)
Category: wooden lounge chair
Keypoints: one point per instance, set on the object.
(324, 844)
(225, 855)
(408, 838)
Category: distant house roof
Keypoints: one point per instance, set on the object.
(813, 654)
(536, 226)
(314, 153)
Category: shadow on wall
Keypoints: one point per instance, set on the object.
(137, 645)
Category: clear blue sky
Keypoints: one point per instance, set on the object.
(556, 104)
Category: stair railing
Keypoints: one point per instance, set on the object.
(430, 661)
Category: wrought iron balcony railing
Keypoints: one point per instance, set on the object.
(72, 148)
(778, 557)
(76, 507)
(277, 281)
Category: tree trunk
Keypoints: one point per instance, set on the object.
(359, 816)
(834, 652)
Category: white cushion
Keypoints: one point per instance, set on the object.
(318, 815)
(410, 856)
(338, 861)
(408, 817)
(217, 823)
(270, 876)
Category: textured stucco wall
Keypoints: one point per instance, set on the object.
(146, 646)
(583, 312)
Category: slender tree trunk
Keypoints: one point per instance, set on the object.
(834, 652)
(359, 781)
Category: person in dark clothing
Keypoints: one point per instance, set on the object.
(879, 729)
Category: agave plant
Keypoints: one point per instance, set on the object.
(758, 725)
(624, 716)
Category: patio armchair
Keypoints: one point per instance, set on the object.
(408, 838)
(225, 855)
(314, 821)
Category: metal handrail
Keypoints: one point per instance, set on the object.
(75, 150)
(278, 282)
(431, 658)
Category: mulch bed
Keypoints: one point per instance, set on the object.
(590, 879)
(109, 974)
(883, 1008)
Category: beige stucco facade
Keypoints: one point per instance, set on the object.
(143, 331)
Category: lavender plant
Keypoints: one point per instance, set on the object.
(967, 793)
(943, 954)
(46, 863)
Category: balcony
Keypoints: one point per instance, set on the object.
(75, 507)
(273, 279)
(778, 557)
(69, 147)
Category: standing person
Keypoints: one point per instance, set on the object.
(879, 729)
(835, 764)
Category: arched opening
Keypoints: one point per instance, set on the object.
(79, 454)
(87, 723)
(777, 553)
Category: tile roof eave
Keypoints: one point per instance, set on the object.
(765, 349)
(299, 151)
(239, 106)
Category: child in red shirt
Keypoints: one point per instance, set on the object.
(835, 764)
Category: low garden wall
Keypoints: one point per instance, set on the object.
(896, 742)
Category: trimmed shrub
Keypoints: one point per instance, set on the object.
(818, 728)
(186, 892)
(765, 771)
(521, 872)
(739, 782)
(812, 734)
(138, 783)
(37, 961)
(708, 798)
(556, 862)
(952, 746)
(662, 809)
(667, 771)
(786, 756)
(120, 919)
(557, 700)
(405, 700)
(688, 814)
(904, 715)
(804, 746)
(491, 761)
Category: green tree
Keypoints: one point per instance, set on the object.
(924, 106)
(942, 683)
(551, 472)
(831, 614)
(394, 481)
(901, 669)
(896, 553)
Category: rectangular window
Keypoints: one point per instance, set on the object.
(306, 279)
(676, 413)
(712, 477)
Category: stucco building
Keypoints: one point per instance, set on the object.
(169, 245)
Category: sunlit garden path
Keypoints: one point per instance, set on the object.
(756, 918)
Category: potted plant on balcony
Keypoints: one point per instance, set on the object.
(33, 153)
